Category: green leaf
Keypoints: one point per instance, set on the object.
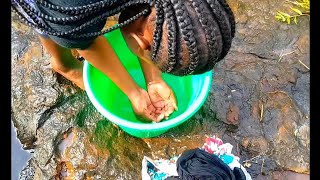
(281, 16)
(277, 17)
(299, 4)
(295, 19)
(285, 14)
(288, 20)
(296, 10)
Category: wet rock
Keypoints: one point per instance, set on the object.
(233, 114)
(255, 145)
(63, 146)
(284, 175)
(301, 94)
(259, 102)
(278, 175)
(259, 33)
(28, 172)
(169, 147)
(31, 171)
(65, 171)
(259, 165)
(303, 135)
(268, 80)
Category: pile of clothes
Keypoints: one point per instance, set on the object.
(213, 160)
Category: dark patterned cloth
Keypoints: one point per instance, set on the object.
(196, 164)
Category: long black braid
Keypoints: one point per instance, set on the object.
(158, 28)
(76, 10)
(230, 15)
(212, 33)
(223, 20)
(187, 32)
(74, 32)
(172, 36)
(203, 29)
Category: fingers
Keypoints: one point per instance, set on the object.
(168, 110)
(174, 102)
(163, 99)
(151, 108)
(154, 114)
(145, 110)
(158, 104)
(150, 115)
(159, 110)
(170, 105)
(160, 117)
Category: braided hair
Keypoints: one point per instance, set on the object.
(202, 30)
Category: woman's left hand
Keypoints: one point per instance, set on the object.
(162, 98)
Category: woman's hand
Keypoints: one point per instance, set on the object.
(162, 98)
(143, 107)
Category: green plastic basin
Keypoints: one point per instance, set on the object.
(191, 92)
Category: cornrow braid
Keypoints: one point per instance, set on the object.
(76, 10)
(135, 17)
(184, 23)
(224, 24)
(33, 18)
(57, 20)
(214, 20)
(158, 29)
(230, 15)
(91, 22)
(212, 32)
(201, 29)
(26, 21)
(172, 36)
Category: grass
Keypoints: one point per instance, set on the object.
(298, 9)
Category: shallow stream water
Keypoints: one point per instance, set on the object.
(19, 156)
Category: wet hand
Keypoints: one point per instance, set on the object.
(162, 98)
(143, 107)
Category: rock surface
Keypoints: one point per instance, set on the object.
(259, 102)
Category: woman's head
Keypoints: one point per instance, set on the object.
(181, 37)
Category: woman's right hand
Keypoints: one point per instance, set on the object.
(143, 107)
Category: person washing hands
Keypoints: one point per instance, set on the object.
(180, 37)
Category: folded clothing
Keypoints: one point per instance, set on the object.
(213, 160)
(198, 164)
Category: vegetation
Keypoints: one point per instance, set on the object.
(298, 8)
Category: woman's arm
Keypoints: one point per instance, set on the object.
(151, 72)
(101, 55)
(161, 95)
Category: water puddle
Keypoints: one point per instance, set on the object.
(19, 156)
